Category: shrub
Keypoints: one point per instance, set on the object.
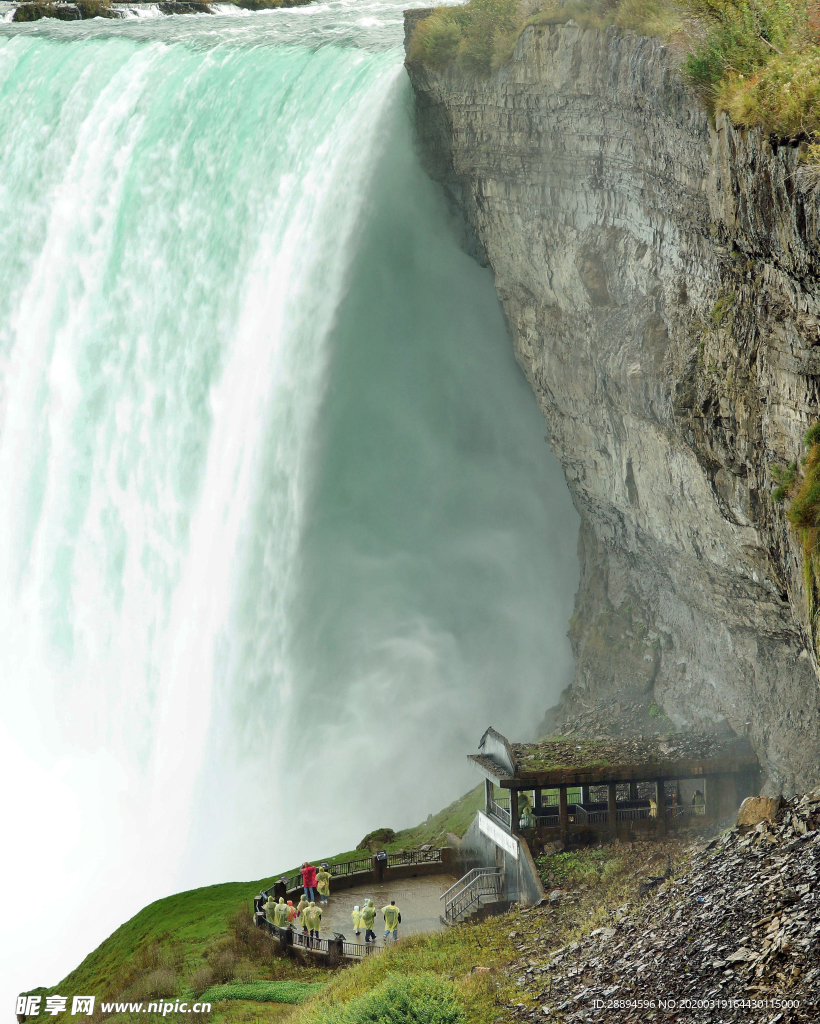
(722, 308)
(250, 941)
(784, 479)
(784, 97)
(159, 984)
(200, 981)
(402, 999)
(223, 965)
(479, 36)
(804, 516)
(760, 63)
(435, 41)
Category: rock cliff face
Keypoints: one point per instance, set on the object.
(661, 282)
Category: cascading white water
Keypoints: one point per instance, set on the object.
(279, 527)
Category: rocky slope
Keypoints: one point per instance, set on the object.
(734, 938)
(660, 281)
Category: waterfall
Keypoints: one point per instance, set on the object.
(280, 532)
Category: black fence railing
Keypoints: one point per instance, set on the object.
(307, 942)
(360, 949)
(432, 856)
(350, 867)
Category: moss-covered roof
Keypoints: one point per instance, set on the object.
(565, 759)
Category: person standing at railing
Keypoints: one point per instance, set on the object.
(300, 912)
(280, 914)
(323, 883)
(270, 909)
(392, 916)
(291, 912)
(368, 920)
(314, 920)
(309, 881)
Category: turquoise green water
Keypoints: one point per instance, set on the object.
(281, 535)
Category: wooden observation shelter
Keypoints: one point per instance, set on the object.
(561, 788)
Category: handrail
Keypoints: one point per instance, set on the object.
(476, 883)
(414, 857)
(473, 871)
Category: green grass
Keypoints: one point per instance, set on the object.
(412, 967)
(804, 516)
(262, 992)
(425, 998)
(455, 818)
(760, 62)
(784, 478)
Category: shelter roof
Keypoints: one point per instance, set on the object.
(580, 761)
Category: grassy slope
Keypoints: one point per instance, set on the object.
(198, 925)
(200, 918)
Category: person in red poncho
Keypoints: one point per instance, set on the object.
(309, 881)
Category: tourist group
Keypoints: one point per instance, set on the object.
(307, 916)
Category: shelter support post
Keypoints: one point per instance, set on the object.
(563, 813)
(584, 794)
(612, 808)
(633, 790)
(514, 811)
(488, 796)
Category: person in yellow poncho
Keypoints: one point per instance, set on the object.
(323, 883)
(280, 914)
(356, 918)
(300, 912)
(270, 908)
(391, 916)
(368, 920)
(314, 920)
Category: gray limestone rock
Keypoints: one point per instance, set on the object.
(660, 281)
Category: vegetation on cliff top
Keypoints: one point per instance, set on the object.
(757, 60)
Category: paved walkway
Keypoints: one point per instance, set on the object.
(416, 898)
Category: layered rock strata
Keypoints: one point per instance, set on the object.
(660, 281)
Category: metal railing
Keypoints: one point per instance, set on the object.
(306, 942)
(545, 820)
(365, 865)
(414, 857)
(360, 949)
(501, 812)
(477, 886)
(350, 867)
(685, 810)
(634, 813)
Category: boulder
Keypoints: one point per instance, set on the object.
(755, 809)
(377, 840)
